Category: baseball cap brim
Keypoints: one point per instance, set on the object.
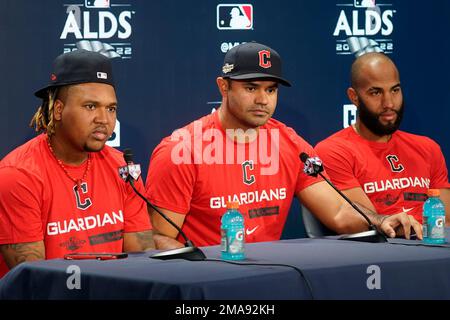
(247, 76)
(42, 93)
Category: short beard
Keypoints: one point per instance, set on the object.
(372, 122)
(86, 148)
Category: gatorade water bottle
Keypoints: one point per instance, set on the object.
(232, 233)
(433, 219)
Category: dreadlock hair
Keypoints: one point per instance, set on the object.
(43, 118)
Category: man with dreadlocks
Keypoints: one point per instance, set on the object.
(60, 192)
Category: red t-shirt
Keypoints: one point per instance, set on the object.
(263, 185)
(38, 202)
(395, 175)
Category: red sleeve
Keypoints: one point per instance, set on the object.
(136, 216)
(339, 163)
(20, 207)
(170, 184)
(439, 172)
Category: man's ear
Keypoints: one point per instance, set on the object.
(222, 84)
(353, 96)
(58, 107)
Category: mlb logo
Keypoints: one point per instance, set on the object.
(234, 16)
(102, 75)
(364, 3)
(97, 3)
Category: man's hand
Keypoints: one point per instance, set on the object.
(138, 241)
(400, 224)
(166, 243)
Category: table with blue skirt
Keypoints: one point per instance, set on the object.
(286, 269)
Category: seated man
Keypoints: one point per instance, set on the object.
(60, 192)
(240, 153)
(374, 163)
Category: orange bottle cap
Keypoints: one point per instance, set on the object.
(232, 205)
(433, 192)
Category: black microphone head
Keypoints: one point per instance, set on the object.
(128, 155)
(304, 156)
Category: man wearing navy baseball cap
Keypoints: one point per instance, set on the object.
(60, 192)
(242, 63)
(240, 153)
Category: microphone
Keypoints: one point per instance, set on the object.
(313, 167)
(131, 172)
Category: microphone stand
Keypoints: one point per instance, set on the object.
(372, 235)
(189, 252)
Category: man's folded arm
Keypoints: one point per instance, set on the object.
(17, 253)
(164, 233)
(138, 241)
(338, 215)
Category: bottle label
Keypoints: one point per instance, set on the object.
(236, 241)
(232, 240)
(434, 227)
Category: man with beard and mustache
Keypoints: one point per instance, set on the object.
(191, 177)
(375, 164)
(60, 192)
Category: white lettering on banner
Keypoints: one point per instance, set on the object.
(373, 24)
(360, 29)
(225, 46)
(396, 184)
(88, 28)
(248, 197)
(105, 18)
(86, 223)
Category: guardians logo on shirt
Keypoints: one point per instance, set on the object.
(248, 197)
(85, 223)
(396, 184)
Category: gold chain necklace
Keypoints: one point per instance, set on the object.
(61, 164)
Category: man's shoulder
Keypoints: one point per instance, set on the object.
(289, 138)
(412, 136)
(187, 132)
(342, 137)
(416, 140)
(27, 162)
(203, 123)
(274, 123)
(282, 127)
(27, 155)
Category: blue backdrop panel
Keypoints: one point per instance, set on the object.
(167, 55)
